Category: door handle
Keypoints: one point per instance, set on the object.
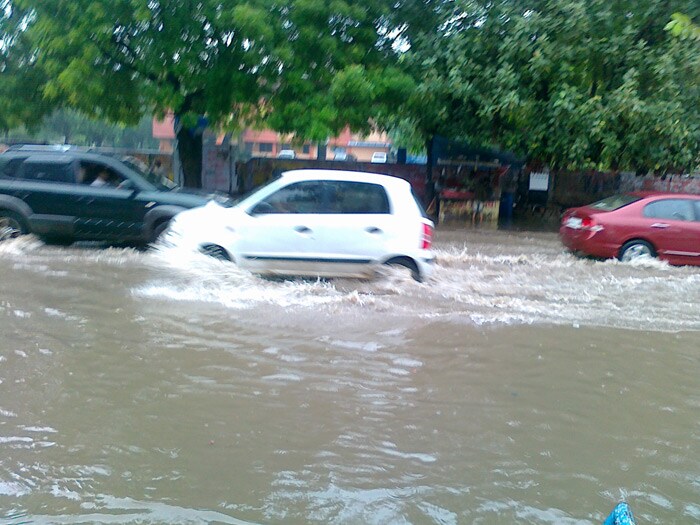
(373, 229)
(302, 229)
(660, 225)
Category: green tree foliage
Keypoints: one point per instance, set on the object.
(303, 66)
(70, 127)
(570, 83)
(21, 100)
(682, 26)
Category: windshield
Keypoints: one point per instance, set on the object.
(162, 183)
(615, 202)
(243, 196)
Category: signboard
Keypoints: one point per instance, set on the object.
(539, 181)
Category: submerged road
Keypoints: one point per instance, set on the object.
(519, 385)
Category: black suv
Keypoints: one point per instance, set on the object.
(64, 195)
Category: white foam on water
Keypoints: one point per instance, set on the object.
(491, 279)
(40, 429)
(116, 510)
(13, 489)
(469, 285)
(20, 245)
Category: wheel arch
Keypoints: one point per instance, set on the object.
(407, 262)
(634, 238)
(7, 202)
(158, 215)
(216, 251)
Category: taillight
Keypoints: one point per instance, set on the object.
(426, 237)
(589, 223)
(585, 223)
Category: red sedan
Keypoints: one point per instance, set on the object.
(627, 226)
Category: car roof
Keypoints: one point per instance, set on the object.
(656, 193)
(351, 176)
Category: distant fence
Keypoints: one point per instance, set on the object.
(672, 183)
(257, 171)
(566, 188)
(575, 188)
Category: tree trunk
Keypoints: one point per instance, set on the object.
(189, 151)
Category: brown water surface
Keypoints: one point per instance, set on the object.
(519, 385)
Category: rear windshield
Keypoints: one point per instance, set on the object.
(614, 202)
(420, 205)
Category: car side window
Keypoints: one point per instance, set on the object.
(672, 209)
(47, 172)
(98, 175)
(299, 197)
(9, 167)
(696, 205)
(357, 198)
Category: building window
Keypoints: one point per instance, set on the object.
(306, 149)
(248, 147)
(265, 147)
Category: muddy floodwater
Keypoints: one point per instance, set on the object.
(519, 385)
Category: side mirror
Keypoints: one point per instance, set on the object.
(262, 208)
(126, 185)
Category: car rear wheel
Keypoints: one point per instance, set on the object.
(409, 264)
(215, 251)
(11, 225)
(635, 249)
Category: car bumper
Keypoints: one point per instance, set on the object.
(588, 242)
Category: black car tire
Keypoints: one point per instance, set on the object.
(634, 249)
(409, 264)
(12, 225)
(215, 251)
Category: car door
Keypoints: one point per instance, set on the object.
(672, 228)
(358, 227)
(47, 185)
(280, 232)
(108, 206)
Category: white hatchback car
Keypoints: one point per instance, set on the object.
(313, 222)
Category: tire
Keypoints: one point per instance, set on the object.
(12, 225)
(57, 240)
(215, 251)
(635, 249)
(409, 264)
(159, 229)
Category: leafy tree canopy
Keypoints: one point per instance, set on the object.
(305, 66)
(70, 127)
(681, 25)
(571, 83)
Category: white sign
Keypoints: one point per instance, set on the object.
(539, 181)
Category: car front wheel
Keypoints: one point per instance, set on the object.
(215, 251)
(635, 249)
(11, 225)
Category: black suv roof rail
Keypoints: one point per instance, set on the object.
(40, 147)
